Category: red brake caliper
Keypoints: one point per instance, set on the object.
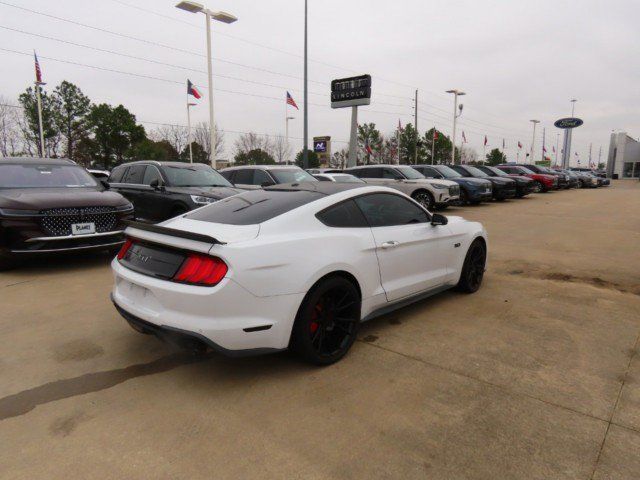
(314, 317)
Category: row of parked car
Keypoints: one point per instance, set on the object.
(49, 205)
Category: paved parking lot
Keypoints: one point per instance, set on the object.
(535, 376)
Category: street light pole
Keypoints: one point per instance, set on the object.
(456, 93)
(573, 106)
(194, 7)
(533, 140)
(415, 120)
(286, 128)
(305, 141)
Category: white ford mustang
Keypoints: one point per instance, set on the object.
(296, 265)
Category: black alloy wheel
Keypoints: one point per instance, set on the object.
(473, 268)
(538, 187)
(327, 322)
(425, 199)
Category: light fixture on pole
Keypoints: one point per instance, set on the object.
(573, 106)
(533, 140)
(224, 17)
(456, 94)
(286, 129)
(305, 128)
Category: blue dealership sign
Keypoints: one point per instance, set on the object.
(320, 146)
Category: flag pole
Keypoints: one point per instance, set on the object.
(39, 101)
(189, 130)
(433, 144)
(286, 128)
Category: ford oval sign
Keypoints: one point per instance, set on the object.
(570, 122)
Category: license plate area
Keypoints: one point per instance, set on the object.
(83, 228)
(153, 261)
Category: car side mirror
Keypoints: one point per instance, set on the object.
(437, 219)
(105, 184)
(156, 184)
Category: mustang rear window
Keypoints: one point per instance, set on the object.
(256, 206)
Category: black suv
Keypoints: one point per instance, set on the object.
(162, 190)
(502, 187)
(54, 205)
(524, 185)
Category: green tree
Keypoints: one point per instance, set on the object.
(115, 132)
(368, 133)
(408, 141)
(314, 161)
(31, 131)
(257, 156)
(442, 147)
(147, 149)
(70, 116)
(200, 155)
(495, 157)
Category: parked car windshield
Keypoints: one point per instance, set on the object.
(346, 178)
(525, 171)
(292, 175)
(44, 176)
(194, 175)
(476, 172)
(410, 173)
(497, 172)
(447, 172)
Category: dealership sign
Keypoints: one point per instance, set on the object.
(320, 146)
(569, 122)
(351, 92)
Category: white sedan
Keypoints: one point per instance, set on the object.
(291, 266)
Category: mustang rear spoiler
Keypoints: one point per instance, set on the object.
(199, 237)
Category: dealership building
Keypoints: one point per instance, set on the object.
(624, 157)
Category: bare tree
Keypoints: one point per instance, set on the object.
(202, 135)
(249, 141)
(468, 155)
(281, 151)
(176, 135)
(10, 138)
(339, 159)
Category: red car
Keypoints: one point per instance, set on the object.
(543, 182)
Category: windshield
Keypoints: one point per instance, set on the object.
(497, 172)
(525, 171)
(44, 176)
(410, 173)
(292, 175)
(196, 175)
(347, 178)
(476, 172)
(447, 172)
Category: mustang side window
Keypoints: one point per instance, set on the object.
(387, 209)
(345, 214)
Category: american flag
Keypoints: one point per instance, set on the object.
(367, 147)
(38, 71)
(485, 141)
(519, 145)
(291, 101)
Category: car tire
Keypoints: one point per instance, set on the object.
(179, 210)
(538, 187)
(327, 321)
(425, 199)
(473, 268)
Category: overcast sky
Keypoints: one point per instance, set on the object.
(516, 60)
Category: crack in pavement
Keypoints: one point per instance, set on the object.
(23, 402)
(497, 385)
(615, 406)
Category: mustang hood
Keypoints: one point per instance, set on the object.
(43, 198)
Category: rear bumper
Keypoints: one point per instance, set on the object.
(226, 317)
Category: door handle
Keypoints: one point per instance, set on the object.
(390, 244)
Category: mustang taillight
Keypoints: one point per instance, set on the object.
(125, 247)
(201, 270)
